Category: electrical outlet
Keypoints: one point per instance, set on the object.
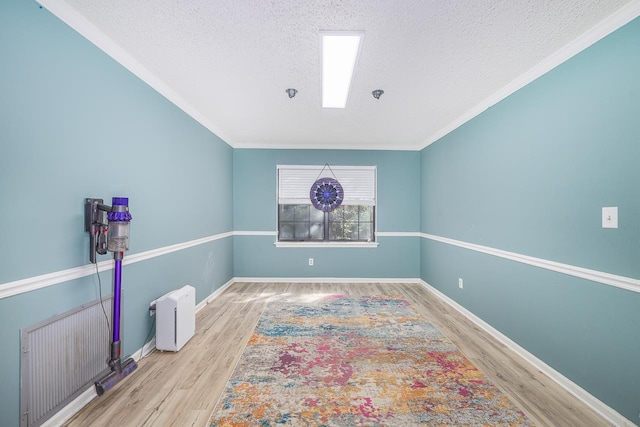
(152, 308)
(310, 261)
(460, 283)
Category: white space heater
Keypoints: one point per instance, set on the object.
(175, 318)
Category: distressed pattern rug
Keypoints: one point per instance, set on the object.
(367, 361)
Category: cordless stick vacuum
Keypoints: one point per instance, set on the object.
(111, 235)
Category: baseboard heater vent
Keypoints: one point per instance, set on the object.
(60, 357)
(175, 318)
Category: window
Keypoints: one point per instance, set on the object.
(352, 221)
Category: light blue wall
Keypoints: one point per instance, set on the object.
(530, 175)
(75, 124)
(398, 173)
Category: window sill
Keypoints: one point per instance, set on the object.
(326, 244)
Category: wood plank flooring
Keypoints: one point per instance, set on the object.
(181, 389)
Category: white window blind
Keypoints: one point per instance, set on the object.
(358, 183)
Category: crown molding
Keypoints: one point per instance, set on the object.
(85, 28)
(621, 17)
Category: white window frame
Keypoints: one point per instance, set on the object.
(358, 182)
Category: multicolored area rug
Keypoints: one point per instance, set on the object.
(370, 361)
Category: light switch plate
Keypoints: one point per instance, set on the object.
(610, 217)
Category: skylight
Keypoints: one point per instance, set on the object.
(339, 56)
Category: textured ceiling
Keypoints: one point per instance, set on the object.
(228, 62)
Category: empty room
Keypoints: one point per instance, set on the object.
(320, 213)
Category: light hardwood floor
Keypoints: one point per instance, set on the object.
(181, 389)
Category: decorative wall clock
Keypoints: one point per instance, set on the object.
(326, 194)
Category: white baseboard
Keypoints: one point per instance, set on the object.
(215, 294)
(353, 280)
(72, 408)
(594, 403)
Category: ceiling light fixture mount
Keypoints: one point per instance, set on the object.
(377, 93)
(291, 92)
